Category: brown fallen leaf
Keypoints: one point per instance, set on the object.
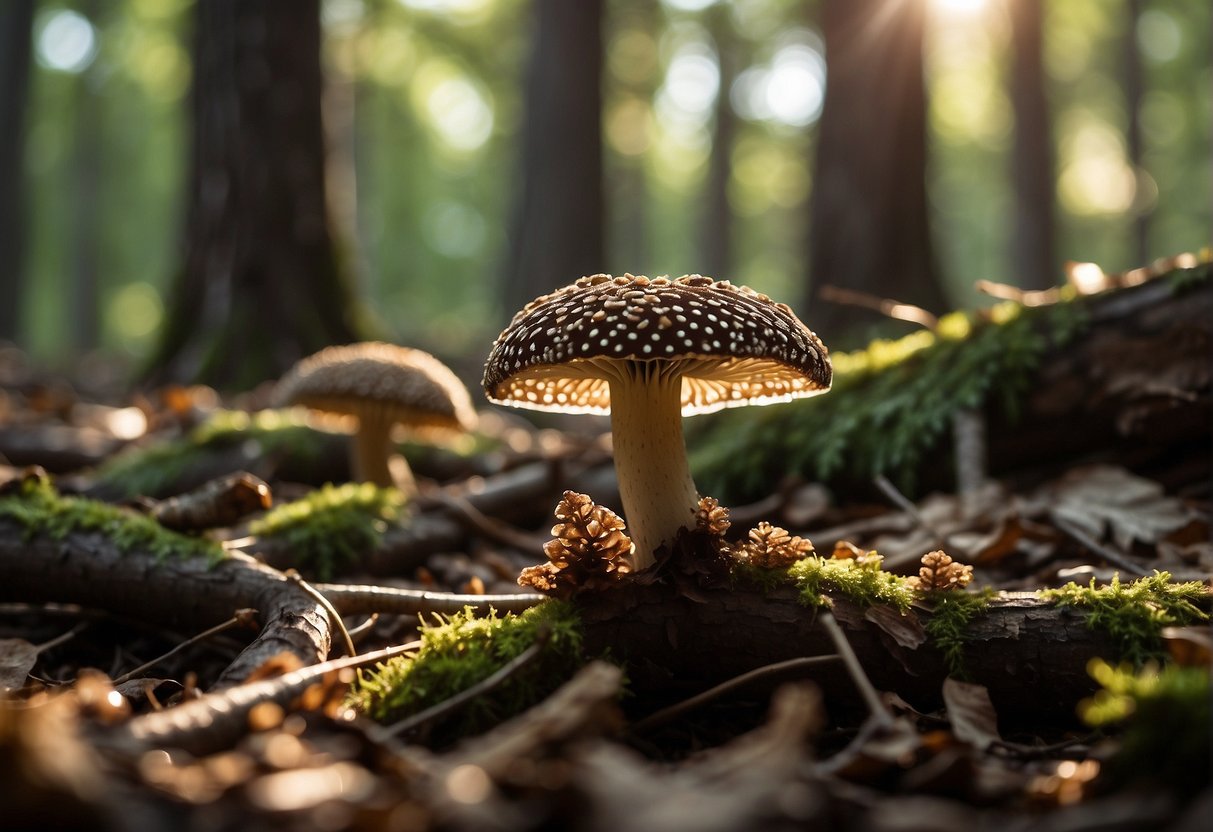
(1106, 499)
(971, 713)
(17, 659)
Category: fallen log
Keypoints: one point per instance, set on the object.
(1030, 653)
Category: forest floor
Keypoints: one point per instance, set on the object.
(841, 695)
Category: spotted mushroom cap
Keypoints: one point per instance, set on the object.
(733, 346)
(375, 379)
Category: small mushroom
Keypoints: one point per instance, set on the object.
(648, 352)
(381, 385)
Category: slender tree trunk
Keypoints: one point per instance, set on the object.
(84, 297)
(559, 218)
(717, 242)
(16, 23)
(1133, 92)
(1033, 251)
(869, 228)
(260, 286)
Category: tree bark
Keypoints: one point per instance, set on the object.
(260, 286)
(1033, 251)
(16, 24)
(869, 229)
(1030, 654)
(559, 218)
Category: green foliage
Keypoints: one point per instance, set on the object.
(890, 406)
(864, 582)
(459, 651)
(332, 526)
(1166, 718)
(154, 469)
(951, 613)
(36, 506)
(1135, 613)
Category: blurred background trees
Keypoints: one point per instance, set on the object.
(1053, 131)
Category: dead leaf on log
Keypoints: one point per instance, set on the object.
(1103, 499)
(17, 659)
(971, 713)
(906, 630)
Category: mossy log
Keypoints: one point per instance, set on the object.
(188, 593)
(1030, 653)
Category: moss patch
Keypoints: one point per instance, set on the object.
(154, 469)
(460, 651)
(333, 526)
(865, 583)
(1165, 714)
(951, 613)
(37, 506)
(1135, 613)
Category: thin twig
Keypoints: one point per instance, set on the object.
(356, 633)
(354, 598)
(241, 618)
(449, 706)
(60, 639)
(665, 715)
(489, 527)
(1106, 552)
(334, 616)
(871, 698)
(885, 306)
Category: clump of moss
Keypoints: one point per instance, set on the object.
(155, 469)
(36, 506)
(859, 579)
(459, 651)
(1135, 613)
(332, 526)
(1165, 715)
(951, 613)
(891, 403)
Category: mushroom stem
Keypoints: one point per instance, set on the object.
(371, 454)
(655, 484)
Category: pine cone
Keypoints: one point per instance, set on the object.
(846, 550)
(712, 517)
(589, 549)
(940, 572)
(772, 547)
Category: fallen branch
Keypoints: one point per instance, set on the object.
(1030, 653)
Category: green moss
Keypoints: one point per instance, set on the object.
(154, 469)
(951, 613)
(1166, 722)
(891, 404)
(1135, 613)
(759, 578)
(460, 651)
(36, 506)
(864, 583)
(332, 526)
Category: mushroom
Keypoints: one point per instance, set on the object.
(648, 352)
(381, 385)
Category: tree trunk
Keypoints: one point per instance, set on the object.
(16, 23)
(84, 295)
(260, 286)
(716, 244)
(559, 218)
(1033, 254)
(1133, 143)
(869, 229)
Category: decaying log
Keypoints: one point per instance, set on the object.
(1031, 654)
(1133, 387)
(183, 593)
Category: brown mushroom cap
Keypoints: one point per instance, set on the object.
(734, 346)
(385, 381)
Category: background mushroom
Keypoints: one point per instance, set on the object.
(648, 352)
(381, 385)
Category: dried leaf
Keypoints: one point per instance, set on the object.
(17, 659)
(906, 630)
(971, 713)
(1103, 499)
